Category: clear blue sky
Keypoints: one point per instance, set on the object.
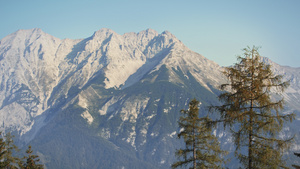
(217, 29)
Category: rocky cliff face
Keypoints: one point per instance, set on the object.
(38, 69)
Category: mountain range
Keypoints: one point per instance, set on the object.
(110, 100)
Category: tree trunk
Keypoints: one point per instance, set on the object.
(194, 150)
(251, 116)
(250, 144)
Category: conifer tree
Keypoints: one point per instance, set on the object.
(31, 161)
(2, 152)
(250, 112)
(201, 146)
(7, 160)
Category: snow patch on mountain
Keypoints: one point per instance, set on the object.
(132, 108)
(86, 115)
(173, 134)
(131, 137)
(82, 102)
(108, 107)
(14, 117)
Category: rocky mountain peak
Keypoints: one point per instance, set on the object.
(103, 33)
(23, 38)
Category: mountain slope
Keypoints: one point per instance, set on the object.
(292, 94)
(28, 74)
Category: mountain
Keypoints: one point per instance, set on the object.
(292, 94)
(110, 100)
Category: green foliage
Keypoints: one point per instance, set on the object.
(2, 150)
(201, 146)
(253, 117)
(31, 161)
(7, 160)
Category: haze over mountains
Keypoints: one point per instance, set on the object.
(109, 100)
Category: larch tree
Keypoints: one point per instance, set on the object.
(253, 115)
(202, 148)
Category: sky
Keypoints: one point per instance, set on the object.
(217, 29)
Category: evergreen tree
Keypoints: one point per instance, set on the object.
(6, 150)
(201, 147)
(253, 117)
(2, 152)
(31, 161)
